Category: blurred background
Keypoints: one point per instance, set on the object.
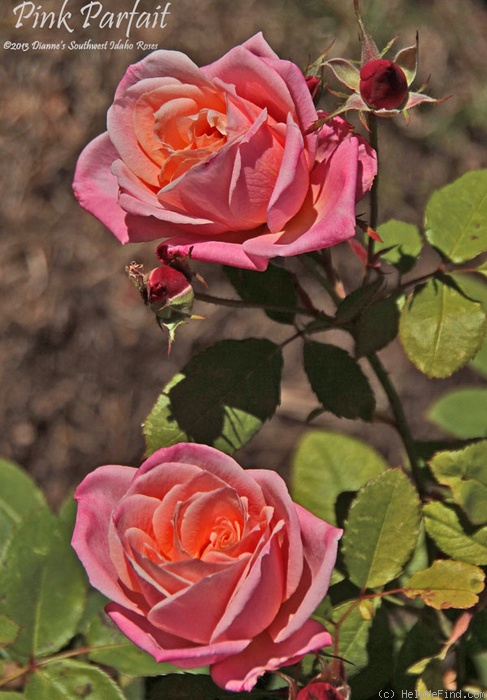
(81, 359)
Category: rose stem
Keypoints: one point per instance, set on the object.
(236, 303)
(374, 192)
(401, 423)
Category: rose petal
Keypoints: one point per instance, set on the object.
(206, 601)
(166, 647)
(277, 495)
(241, 671)
(320, 544)
(97, 496)
(96, 189)
(258, 596)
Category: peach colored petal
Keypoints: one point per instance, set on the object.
(242, 670)
(257, 598)
(320, 543)
(168, 647)
(194, 612)
(214, 462)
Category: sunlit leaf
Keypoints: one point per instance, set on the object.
(382, 529)
(19, 496)
(465, 472)
(444, 528)
(327, 464)
(447, 584)
(456, 217)
(440, 328)
(9, 631)
(71, 679)
(405, 243)
(476, 288)
(43, 586)
(462, 412)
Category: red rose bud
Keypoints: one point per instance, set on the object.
(383, 84)
(319, 691)
(165, 285)
(313, 84)
(170, 296)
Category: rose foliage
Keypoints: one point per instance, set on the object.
(218, 159)
(206, 563)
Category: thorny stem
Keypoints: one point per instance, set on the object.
(236, 303)
(401, 424)
(374, 192)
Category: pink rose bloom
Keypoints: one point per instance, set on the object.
(205, 562)
(218, 159)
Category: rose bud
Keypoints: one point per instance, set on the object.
(313, 84)
(167, 286)
(170, 296)
(383, 84)
(319, 691)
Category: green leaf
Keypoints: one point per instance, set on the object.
(353, 635)
(405, 241)
(221, 398)
(444, 528)
(382, 530)
(110, 647)
(11, 695)
(273, 287)
(355, 303)
(447, 584)
(462, 412)
(456, 217)
(476, 288)
(465, 472)
(422, 641)
(477, 645)
(43, 586)
(369, 681)
(441, 329)
(338, 381)
(69, 680)
(479, 362)
(377, 326)
(9, 631)
(327, 464)
(19, 496)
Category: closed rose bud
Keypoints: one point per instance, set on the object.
(383, 84)
(319, 691)
(164, 284)
(313, 84)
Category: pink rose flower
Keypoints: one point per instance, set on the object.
(217, 159)
(205, 562)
